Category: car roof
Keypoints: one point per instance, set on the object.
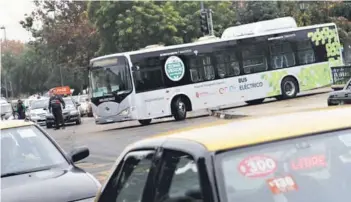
(14, 123)
(250, 131)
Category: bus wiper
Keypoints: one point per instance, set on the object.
(26, 171)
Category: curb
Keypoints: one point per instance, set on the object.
(223, 115)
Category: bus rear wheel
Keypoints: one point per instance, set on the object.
(255, 102)
(145, 122)
(289, 88)
(179, 109)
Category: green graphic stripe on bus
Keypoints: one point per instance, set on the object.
(314, 76)
(328, 38)
(274, 79)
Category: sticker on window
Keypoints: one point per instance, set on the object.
(282, 184)
(346, 139)
(257, 166)
(25, 133)
(309, 162)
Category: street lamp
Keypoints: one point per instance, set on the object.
(303, 7)
(5, 42)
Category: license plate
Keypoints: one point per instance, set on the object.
(109, 120)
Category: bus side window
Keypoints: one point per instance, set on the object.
(282, 55)
(227, 64)
(254, 59)
(305, 52)
(208, 68)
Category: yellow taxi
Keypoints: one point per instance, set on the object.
(292, 157)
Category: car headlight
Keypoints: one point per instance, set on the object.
(124, 112)
(87, 200)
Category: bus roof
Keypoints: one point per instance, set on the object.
(160, 48)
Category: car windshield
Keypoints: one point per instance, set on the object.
(40, 104)
(68, 102)
(110, 79)
(313, 168)
(348, 87)
(25, 149)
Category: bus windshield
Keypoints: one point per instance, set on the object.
(110, 80)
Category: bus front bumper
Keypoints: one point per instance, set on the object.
(112, 119)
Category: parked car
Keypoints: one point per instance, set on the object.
(6, 110)
(71, 113)
(340, 97)
(83, 100)
(301, 156)
(34, 168)
(38, 110)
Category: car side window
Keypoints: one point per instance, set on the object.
(128, 185)
(179, 178)
(349, 86)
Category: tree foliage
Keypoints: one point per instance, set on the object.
(72, 32)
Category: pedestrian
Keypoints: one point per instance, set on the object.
(21, 110)
(55, 103)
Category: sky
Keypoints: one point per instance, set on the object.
(11, 12)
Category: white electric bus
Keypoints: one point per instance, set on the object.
(165, 81)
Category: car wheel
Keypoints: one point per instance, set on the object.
(289, 88)
(179, 109)
(78, 122)
(145, 122)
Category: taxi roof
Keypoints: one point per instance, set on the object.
(255, 130)
(14, 124)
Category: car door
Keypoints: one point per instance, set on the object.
(132, 180)
(179, 179)
(348, 93)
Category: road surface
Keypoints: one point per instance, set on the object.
(107, 141)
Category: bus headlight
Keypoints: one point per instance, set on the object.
(124, 112)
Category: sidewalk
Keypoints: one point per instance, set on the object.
(307, 100)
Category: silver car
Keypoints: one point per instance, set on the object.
(38, 110)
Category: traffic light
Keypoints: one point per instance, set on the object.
(204, 22)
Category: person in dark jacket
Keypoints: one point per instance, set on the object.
(55, 103)
(21, 110)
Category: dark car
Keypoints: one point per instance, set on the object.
(341, 97)
(71, 113)
(34, 168)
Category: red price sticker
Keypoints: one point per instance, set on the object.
(257, 166)
(282, 184)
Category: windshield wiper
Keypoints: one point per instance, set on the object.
(26, 171)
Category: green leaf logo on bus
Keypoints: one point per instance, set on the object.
(328, 38)
(174, 68)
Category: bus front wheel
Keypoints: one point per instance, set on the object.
(145, 122)
(289, 88)
(179, 109)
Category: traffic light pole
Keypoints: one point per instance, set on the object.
(210, 22)
(208, 17)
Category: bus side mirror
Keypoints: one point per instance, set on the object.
(135, 68)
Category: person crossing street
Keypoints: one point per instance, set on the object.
(55, 103)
